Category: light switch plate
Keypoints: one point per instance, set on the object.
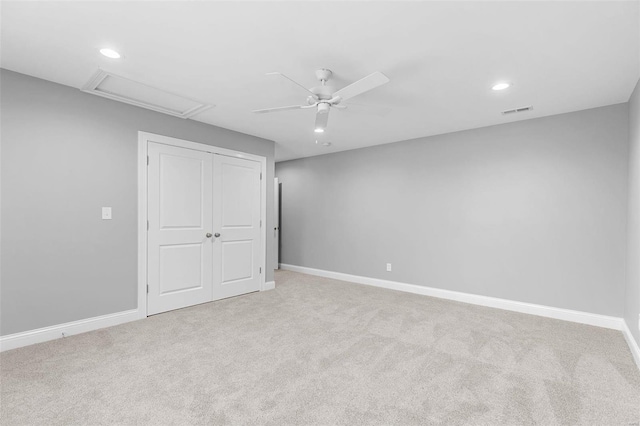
(106, 213)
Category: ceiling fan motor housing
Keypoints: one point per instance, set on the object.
(323, 92)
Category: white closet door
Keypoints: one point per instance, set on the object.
(180, 212)
(236, 245)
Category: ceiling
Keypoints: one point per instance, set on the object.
(442, 59)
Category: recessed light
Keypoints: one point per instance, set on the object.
(319, 130)
(110, 53)
(501, 86)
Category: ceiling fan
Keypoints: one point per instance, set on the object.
(324, 97)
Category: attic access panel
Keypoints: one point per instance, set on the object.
(117, 88)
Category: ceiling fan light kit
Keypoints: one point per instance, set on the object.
(323, 108)
(324, 97)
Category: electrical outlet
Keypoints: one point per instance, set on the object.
(388, 267)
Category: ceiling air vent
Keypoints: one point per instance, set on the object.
(131, 92)
(516, 110)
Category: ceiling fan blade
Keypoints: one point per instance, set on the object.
(294, 82)
(321, 120)
(363, 85)
(284, 108)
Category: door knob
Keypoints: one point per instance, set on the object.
(216, 235)
(209, 235)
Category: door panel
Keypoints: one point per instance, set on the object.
(180, 267)
(237, 187)
(241, 252)
(237, 220)
(181, 189)
(180, 211)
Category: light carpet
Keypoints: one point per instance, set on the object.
(316, 351)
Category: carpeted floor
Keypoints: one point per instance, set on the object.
(322, 352)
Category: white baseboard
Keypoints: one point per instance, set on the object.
(614, 323)
(633, 345)
(269, 285)
(18, 340)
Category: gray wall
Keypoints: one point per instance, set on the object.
(533, 211)
(632, 297)
(65, 154)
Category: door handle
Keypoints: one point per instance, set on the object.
(216, 235)
(209, 235)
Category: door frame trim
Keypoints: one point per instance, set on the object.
(143, 141)
(276, 223)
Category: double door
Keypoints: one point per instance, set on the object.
(203, 236)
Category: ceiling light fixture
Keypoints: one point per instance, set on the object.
(110, 53)
(501, 86)
(319, 130)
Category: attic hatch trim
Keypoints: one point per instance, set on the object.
(100, 76)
